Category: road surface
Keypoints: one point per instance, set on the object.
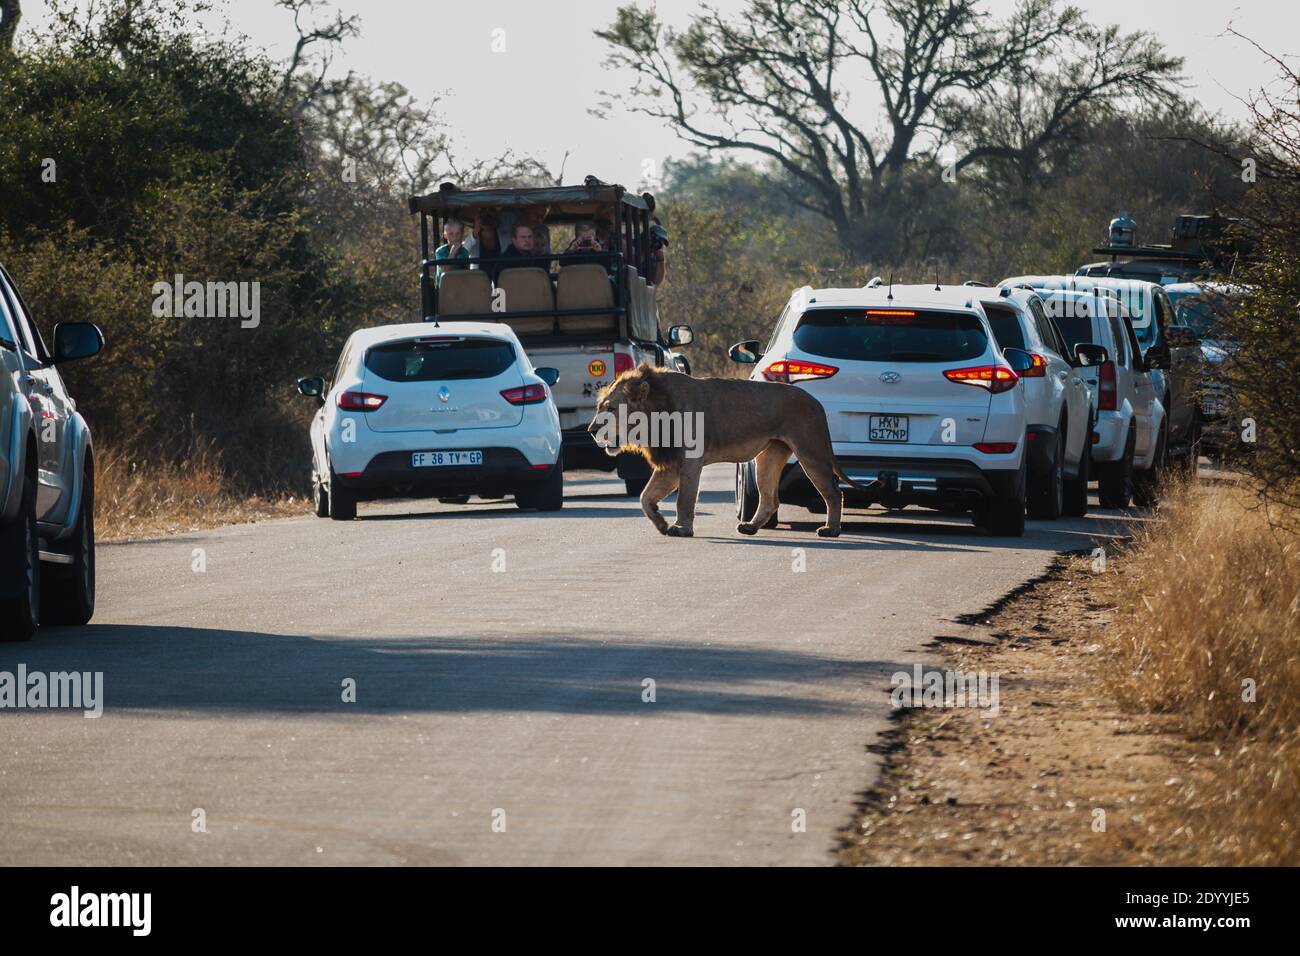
(500, 662)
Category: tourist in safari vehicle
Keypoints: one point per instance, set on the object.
(582, 302)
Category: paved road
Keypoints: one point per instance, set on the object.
(483, 695)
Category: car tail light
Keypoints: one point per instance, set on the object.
(1037, 367)
(361, 401)
(1107, 390)
(784, 370)
(996, 378)
(622, 363)
(525, 395)
(995, 447)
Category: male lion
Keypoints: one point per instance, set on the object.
(739, 420)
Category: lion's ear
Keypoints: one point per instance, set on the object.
(639, 391)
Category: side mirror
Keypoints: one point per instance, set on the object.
(548, 375)
(746, 353)
(312, 387)
(1019, 360)
(1089, 355)
(680, 335)
(1182, 337)
(1157, 357)
(76, 340)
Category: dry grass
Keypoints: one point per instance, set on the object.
(1207, 610)
(139, 496)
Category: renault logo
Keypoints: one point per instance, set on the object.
(889, 378)
(444, 394)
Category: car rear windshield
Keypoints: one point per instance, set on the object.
(890, 335)
(418, 360)
(1006, 327)
(1075, 329)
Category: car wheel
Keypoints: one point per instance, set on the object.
(1115, 481)
(320, 498)
(1076, 488)
(68, 590)
(342, 501)
(1148, 482)
(747, 495)
(547, 496)
(20, 613)
(1047, 500)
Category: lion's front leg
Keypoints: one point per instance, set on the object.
(662, 483)
(688, 491)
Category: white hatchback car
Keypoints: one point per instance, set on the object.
(922, 405)
(1059, 406)
(1128, 437)
(420, 411)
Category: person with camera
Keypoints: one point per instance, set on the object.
(584, 240)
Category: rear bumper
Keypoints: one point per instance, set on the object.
(390, 475)
(1111, 430)
(581, 451)
(901, 481)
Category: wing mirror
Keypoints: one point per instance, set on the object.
(313, 388)
(76, 340)
(1019, 360)
(548, 375)
(680, 335)
(1090, 355)
(746, 353)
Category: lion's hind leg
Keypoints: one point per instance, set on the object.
(820, 469)
(767, 471)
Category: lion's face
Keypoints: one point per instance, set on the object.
(627, 394)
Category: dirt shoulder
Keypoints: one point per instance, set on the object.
(1060, 776)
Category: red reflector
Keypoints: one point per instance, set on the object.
(353, 474)
(996, 378)
(891, 312)
(622, 363)
(360, 401)
(540, 467)
(995, 447)
(525, 395)
(784, 370)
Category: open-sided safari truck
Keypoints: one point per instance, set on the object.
(591, 315)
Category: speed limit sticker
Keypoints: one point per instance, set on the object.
(596, 367)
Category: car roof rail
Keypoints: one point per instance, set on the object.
(976, 282)
(874, 283)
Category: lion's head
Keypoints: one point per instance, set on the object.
(633, 393)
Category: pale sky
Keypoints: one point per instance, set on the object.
(534, 97)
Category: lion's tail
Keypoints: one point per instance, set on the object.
(839, 473)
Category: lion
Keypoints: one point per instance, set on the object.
(716, 419)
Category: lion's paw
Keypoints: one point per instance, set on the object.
(744, 528)
(677, 531)
(826, 531)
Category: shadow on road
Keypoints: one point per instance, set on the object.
(188, 668)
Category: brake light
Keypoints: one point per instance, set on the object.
(1107, 389)
(784, 370)
(622, 363)
(996, 378)
(1037, 368)
(525, 395)
(361, 401)
(995, 447)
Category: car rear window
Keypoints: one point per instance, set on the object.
(418, 360)
(1076, 329)
(890, 335)
(1006, 327)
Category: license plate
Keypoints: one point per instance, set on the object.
(889, 427)
(439, 459)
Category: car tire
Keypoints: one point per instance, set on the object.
(546, 496)
(20, 614)
(1047, 498)
(1115, 478)
(1076, 488)
(342, 501)
(1148, 482)
(320, 498)
(68, 590)
(747, 495)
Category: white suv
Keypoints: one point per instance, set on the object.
(1129, 437)
(1059, 405)
(922, 406)
(419, 411)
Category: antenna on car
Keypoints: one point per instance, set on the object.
(890, 297)
(936, 279)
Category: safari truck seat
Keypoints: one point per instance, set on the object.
(464, 292)
(642, 319)
(527, 289)
(586, 286)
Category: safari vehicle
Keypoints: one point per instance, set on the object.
(591, 319)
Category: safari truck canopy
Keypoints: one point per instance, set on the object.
(594, 296)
